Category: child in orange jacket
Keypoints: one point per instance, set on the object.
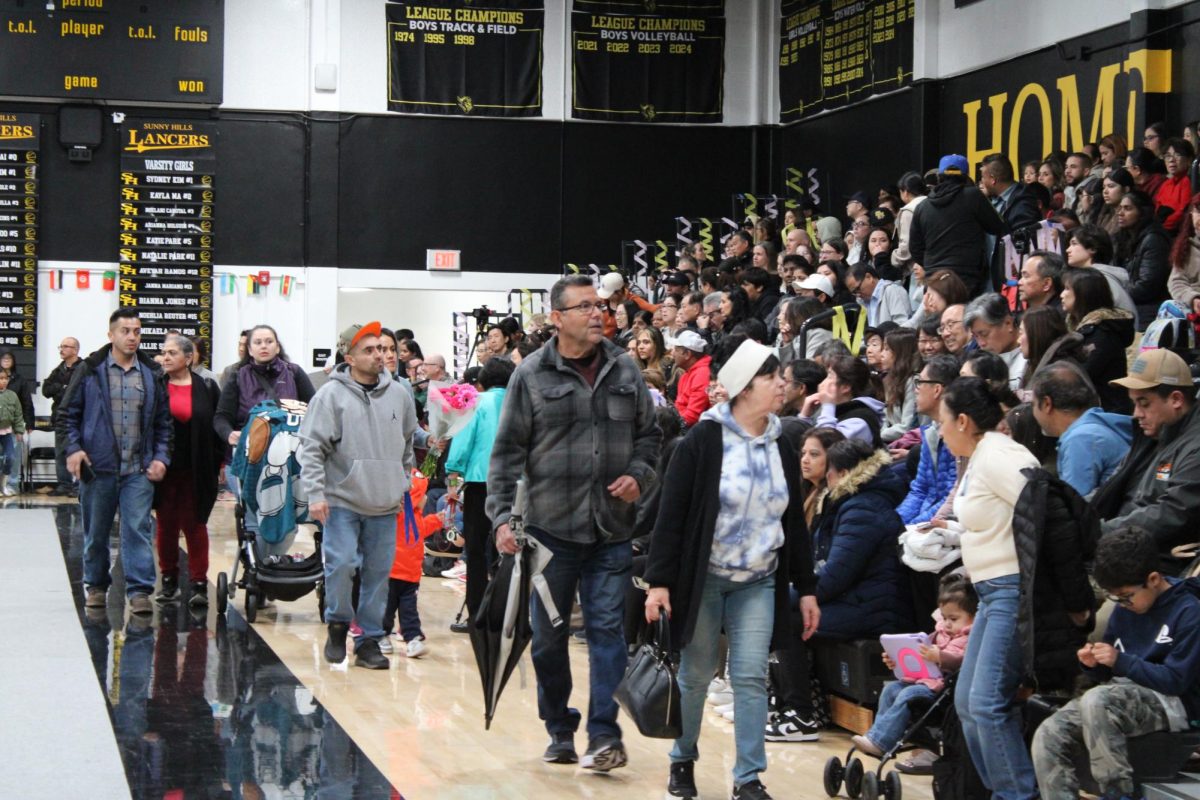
(412, 529)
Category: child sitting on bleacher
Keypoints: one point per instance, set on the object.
(957, 604)
(412, 529)
(1148, 663)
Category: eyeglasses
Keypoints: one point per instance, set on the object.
(1171, 155)
(1125, 600)
(1151, 137)
(927, 381)
(948, 325)
(861, 224)
(587, 307)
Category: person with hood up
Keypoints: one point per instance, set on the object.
(844, 401)
(949, 229)
(1091, 442)
(729, 541)
(861, 587)
(356, 453)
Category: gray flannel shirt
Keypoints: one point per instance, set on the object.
(126, 395)
(570, 441)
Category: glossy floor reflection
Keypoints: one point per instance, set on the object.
(203, 708)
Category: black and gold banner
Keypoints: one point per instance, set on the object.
(714, 8)
(20, 140)
(648, 67)
(465, 58)
(836, 52)
(165, 242)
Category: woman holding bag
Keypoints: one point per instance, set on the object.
(727, 563)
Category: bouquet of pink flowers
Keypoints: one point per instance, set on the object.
(450, 407)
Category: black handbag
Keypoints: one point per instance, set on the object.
(649, 692)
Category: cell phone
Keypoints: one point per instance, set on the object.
(86, 473)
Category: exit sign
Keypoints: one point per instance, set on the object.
(440, 260)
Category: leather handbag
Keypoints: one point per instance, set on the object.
(649, 692)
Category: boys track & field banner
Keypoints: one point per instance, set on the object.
(464, 58)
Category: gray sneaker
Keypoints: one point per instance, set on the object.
(604, 754)
(97, 597)
(139, 603)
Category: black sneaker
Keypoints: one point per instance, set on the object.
(682, 782)
(198, 594)
(368, 655)
(751, 790)
(561, 749)
(788, 726)
(604, 754)
(335, 645)
(169, 592)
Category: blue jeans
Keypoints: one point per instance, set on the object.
(352, 542)
(99, 500)
(987, 685)
(9, 466)
(746, 612)
(893, 717)
(601, 572)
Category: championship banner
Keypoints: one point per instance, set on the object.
(833, 53)
(647, 67)
(20, 139)
(165, 241)
(460, 57)
(714, 8)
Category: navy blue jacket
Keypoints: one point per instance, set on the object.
(862, 587)
(85, 419)
(933, 483)
(1160, 649)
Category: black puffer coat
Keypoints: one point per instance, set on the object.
(1106, 333)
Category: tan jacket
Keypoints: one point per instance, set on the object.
(1184, 284)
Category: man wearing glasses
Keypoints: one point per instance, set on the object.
(578, 424)
(954, 334)
(54, 388)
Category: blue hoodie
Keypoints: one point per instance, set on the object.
(754, 497)
(1090, 451)
(1160, 649)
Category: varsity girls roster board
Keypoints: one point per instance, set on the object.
(20, 136)
(167, 204)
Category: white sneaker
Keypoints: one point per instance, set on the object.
(723, 708)
(459, 569)
(720, 698)
(417, 648)
(728, 715)
(8, 491)
(385, 645)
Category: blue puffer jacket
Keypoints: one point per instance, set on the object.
(862, 587)
(936, 474)
(85, 418)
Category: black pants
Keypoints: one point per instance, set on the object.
(479, 544)
(402, 602)
(792, 675)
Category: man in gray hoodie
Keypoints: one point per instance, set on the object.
(355, 456)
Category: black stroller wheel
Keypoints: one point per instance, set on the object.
(833, 776)
(251, 605)
(892, 788)
(854, 777)
(870, 786)
(222, 592)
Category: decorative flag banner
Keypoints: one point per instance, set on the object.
(251, 285)
(56, 279)
(110, 281)
(264, 278)
(286, 284)
(82, 279)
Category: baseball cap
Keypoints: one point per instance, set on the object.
(859, 197)
(355, 333)
(1156, 368)
(816, 282)
(741, 367)
(953, 164)
(690, 340)
(610, 284)
(677, 279)
(881, 217)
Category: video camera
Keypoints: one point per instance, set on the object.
(481, 315)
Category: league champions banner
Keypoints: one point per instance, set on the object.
(167, 203)
(648, 61)
(20, 138)
(833, 53)
(460, 57)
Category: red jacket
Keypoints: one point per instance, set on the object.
(691, 396)
(406, 566)
(1175, 193)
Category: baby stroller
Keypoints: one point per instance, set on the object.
(268, 476)
(924, 732)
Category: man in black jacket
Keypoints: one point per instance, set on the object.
(54, 388)
(949, 229)
(1014, 202)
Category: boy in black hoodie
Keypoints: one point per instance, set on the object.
(1149, 662)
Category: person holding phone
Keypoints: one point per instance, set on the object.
(116, 423)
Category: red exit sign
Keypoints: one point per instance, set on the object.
(443, 260)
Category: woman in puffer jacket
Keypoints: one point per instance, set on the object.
(861, 587)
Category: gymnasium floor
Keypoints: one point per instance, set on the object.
(220, 708)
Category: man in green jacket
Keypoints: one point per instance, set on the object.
(12, 426)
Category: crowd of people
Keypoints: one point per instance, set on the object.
(817, 437)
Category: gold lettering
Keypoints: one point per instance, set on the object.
(975, 151)
(85, 29)
(25, 27)
(195, 35)
(80, 82)
(1014, 131)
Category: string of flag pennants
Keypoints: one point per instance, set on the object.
(258, 283)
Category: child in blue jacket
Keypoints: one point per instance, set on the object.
(1149, 662)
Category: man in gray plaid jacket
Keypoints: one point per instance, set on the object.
(578, 424)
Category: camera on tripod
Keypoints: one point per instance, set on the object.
(481, 315)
